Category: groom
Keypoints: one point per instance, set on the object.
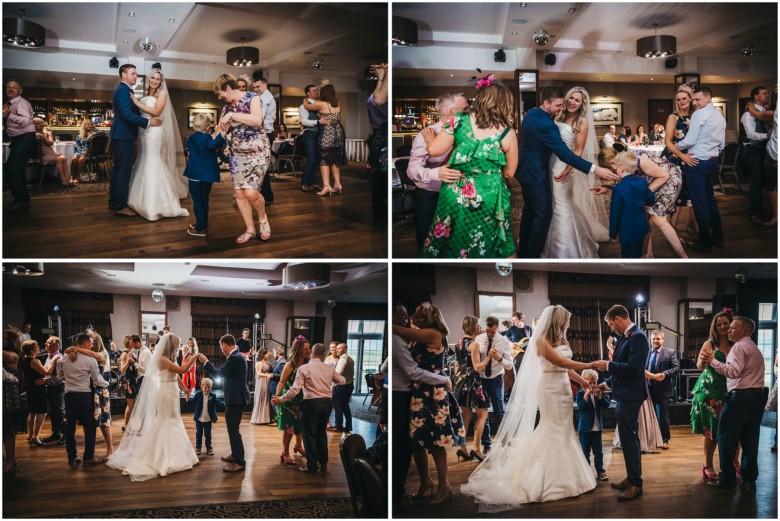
(236, 398)
(629, 390)
(539, 139)
(124, 132)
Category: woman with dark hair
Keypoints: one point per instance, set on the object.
(472, 217)
(33, 370)
(332, 138)
(261, 412)
(11, 397)
(288, 414)
(471, 395)
(128, 369)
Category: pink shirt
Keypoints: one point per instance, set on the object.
(19, 117)
(424, 169)
(744, 366)
(315, 378)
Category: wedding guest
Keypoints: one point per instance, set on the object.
(55, 393)
(48, 155)
(279, 363)
(128, 368)
(261, 411)
(709, 393)
(754, 147)
(202, 170)
(342, 393)
(24, 333)
(641, 137)
(244, 81)
(471, 395)
(18, 122)
(657, 134)
(81, 154)
(250, 151)
(591, 404)
(143, 356)
(740, 419)
(189, 378)
(377, 106)
(609, 137)
(32, 370)
(333, 153)
(204, 415)
(310, 137)
(315, 378)
(282, 133)
(102, 399)
(677, 125)
(626, 138)
(770, 170)
(268, 101)
(662, 367)
(332, 359)
(288, 416)
(12, 397)
(243, 343)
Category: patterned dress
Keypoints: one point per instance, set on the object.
(249, 152)
(288, 414)
(472, 217)
(709, 393)
(470, 393)
(102, 403)
(434, 419)
(680, 129)
(665, 196)
(332, 141)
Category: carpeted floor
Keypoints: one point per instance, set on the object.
(289, 509)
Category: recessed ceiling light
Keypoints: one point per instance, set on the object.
(514, 33)
(454, 44)
(131, 14)
(77, 52)
(451, 75)
(125, 41)
(128, 30)
(171, 20)
(651, 79)
(306, 53)
(523, 4)
(519, 21)
(159, 284)
(572, 9)
(74, 79)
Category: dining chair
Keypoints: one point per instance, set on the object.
(65, 137)
(729, 164)
(350, 448)
(400, 164)
(98, 153)
(294, 156)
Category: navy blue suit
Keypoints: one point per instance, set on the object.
(124, 132)
(539, 140)
(202, 170)
(662, 392)
(202, 428)
(627, 216)
(590, 439)
(629, 390)
(233, 374)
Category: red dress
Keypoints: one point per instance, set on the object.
(188, 378)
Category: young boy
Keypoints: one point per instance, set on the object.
(205, 415)
(591, 403)
(202, 170)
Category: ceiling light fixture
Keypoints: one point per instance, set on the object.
(23, 33)
(146, 44)
(541, 37)
(404, 31)
(748, 50)
(318, 64)
(131, 14)
(243, 56)
(27, 270)
(656, 46)
(306, 276)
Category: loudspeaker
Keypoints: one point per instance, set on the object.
(257, 75)
(172, 304)
(550, 59)
(724, 301)
(499, 56)
(671, 63)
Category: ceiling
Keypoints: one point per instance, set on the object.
(193, 37)
(704, 31)
(350, 282)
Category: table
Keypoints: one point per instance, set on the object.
(66, 148)
(275, 146)
(653, 150)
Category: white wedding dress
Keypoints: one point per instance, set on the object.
(545, 465)
(572, 228)
(155, 189)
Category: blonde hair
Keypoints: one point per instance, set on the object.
(714, 336)
(657, 332)
(201, 121)
(626, 160)
(149, 83)
(687, 90)
(493, 106)
(581, 118)
(224, 81)
(559, 322)
(470, 324)
(590, 374)
(205, 381)
(606, 157)
(126, 341)
(83, 132)
(97, 343)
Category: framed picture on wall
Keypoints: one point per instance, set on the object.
(191, 111)
(722, 106)
(607, 113)
(291, 118)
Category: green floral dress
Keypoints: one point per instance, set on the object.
(709, 393)
(289, 413)
(472, 217)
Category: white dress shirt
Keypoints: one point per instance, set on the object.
(609, 139)
(303, 115)
(504, 347)
(749, 123)
(706, 135)
(269, 110)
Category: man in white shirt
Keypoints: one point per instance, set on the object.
(268, 102)
(609, 137)
(342, 393)
(310, 121)
(754, 147)
(140, 355)
(24, 334)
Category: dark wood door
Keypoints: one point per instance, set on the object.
(658, 111)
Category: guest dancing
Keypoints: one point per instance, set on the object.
(130, 372)
(261, 411)
(435, 420)
(288, 414)
(472, 217)
(332, 140)
(249, 153)
(677, 125)
(12, 397)
(32, 370)
(469, 391)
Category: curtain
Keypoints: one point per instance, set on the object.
(588, 331)
(208, 329)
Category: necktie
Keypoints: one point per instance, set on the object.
(652, 361)
(488, 368)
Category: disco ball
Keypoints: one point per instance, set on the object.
(331, 302)
(741, 275)
(504, 268)
(158, 295)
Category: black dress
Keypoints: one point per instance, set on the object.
(680, 130)
(36, 394)
(468, 382)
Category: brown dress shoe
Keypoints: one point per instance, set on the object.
(665, 446)
(233, 467)
(623, 485)
(94, 461)
(631, 492)
(228, 459)
(126, 212)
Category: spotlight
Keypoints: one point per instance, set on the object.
(257, 317)
(331, 302)
(741, 275)
(504, 268)
(55, 308)
(640, 299)
(113, 63)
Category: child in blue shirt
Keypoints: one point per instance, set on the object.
(202, 170)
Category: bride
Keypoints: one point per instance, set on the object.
(545, 463)
(155, 442)
(578, 222)
(156, 184)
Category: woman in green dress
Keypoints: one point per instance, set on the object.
(289, 413)
(709, 392)
(472, 218)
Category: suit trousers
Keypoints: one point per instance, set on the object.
(200, 191)
(494, 388)
(265, 188)
(535, 221)
(701, 180)
(341, 396)
(201, 429)
(314, 419)
(627, 414)
(233, 415)
(402, 453)
(631, 250)
(79, 407)
(55, 395)
(425, 202)
(21, 149)
(662, 413)
(119, 186)
(753, 159)
(591, 440)
(312, 165)
(740, 422)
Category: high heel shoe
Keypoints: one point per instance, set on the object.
(37, 442)
(337, 188)
(475, 455)
(299, 450)
(441, 497)
(285, 459)
(463, 454)
(326, 190)
(421, 491)
(706, 476)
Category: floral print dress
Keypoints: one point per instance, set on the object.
(289, 413)
(470, 393)
(472, 218)
(434, 419)
(665, 196)
(249, 152)
(102, 403)
(709, 393)
(680, 129)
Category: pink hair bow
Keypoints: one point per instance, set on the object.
(485, 82)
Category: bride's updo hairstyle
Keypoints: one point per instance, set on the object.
(559, 322)
(493, 106)
(581, 118)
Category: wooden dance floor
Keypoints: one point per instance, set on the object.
(44, 485)
(673, 488)
(303, 225)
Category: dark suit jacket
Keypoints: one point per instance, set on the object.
(127, 117)
(233, 374)
(539, 139)
(627, 368)
(202, 164)
(627, 216)
(588, 412)
(197, 399)
(665, 363)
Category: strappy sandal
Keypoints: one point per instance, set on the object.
(265, 230)
(245, 237)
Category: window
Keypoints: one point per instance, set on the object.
(767, 338)
(365, 339)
